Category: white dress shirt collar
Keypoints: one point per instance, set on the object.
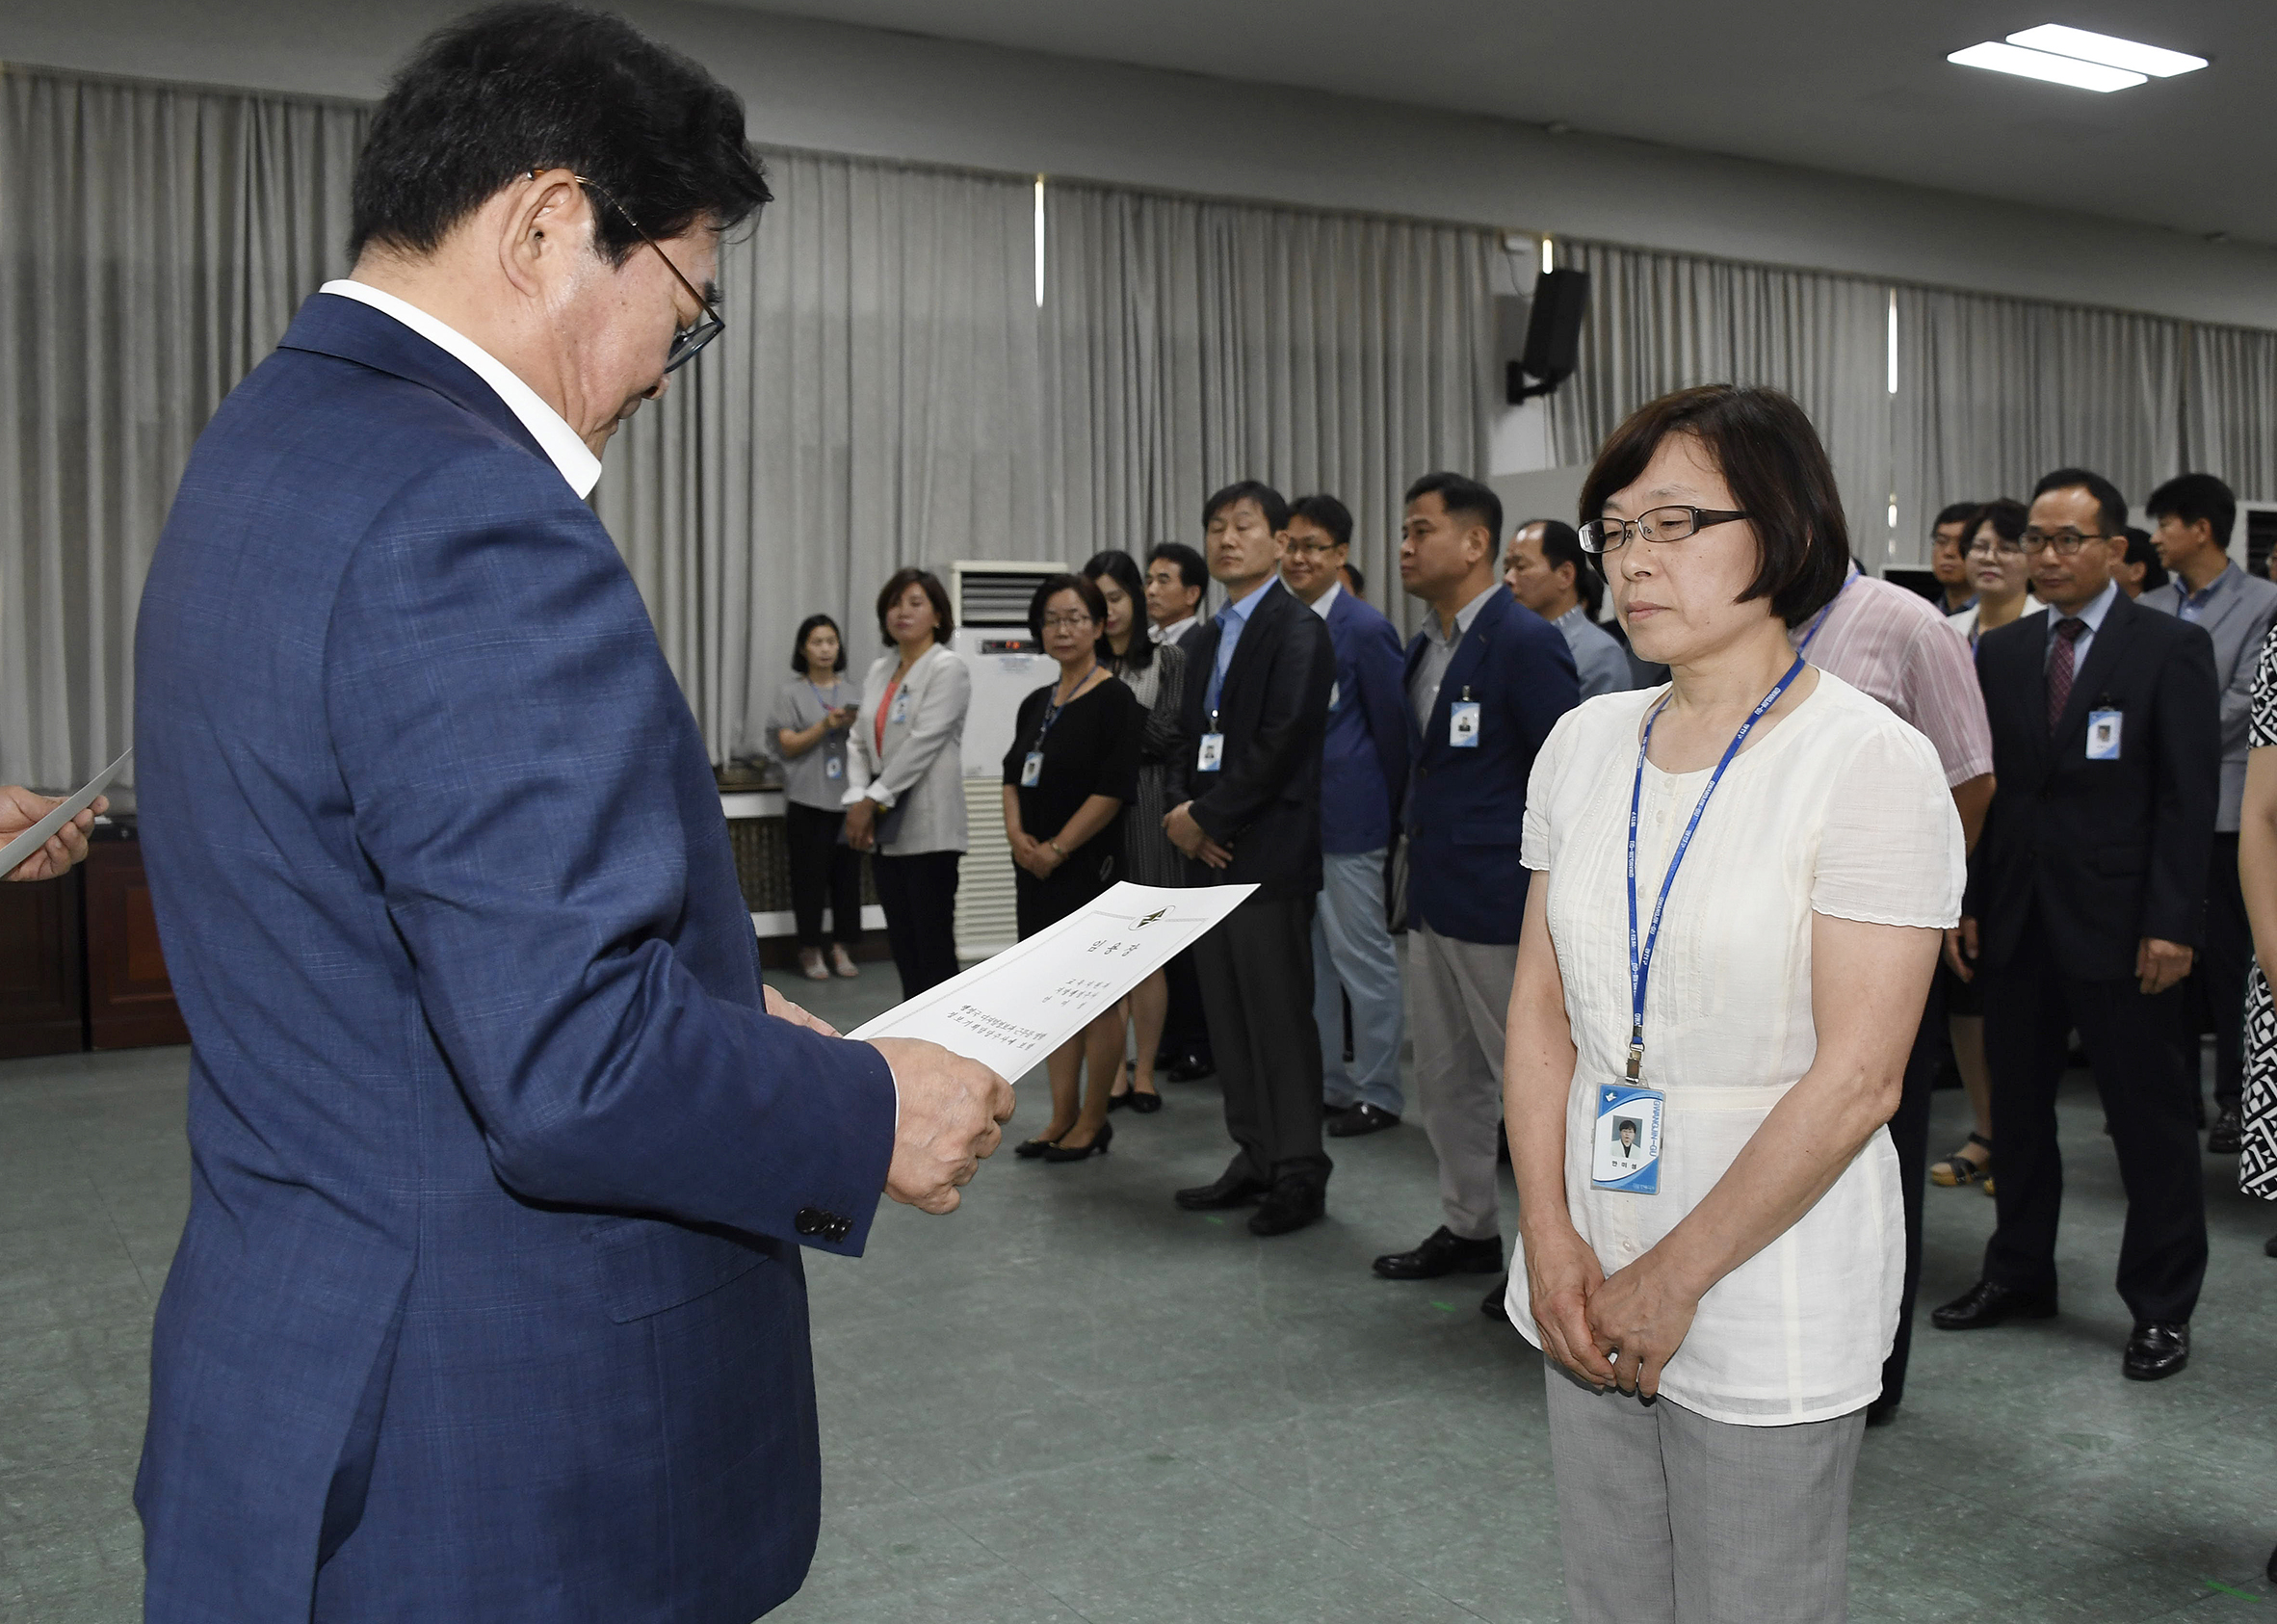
(555, 438)
(1175, 630)
(1326, 601)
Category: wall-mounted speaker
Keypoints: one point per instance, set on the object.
(1552, 335)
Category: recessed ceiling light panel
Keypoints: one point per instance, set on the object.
(2042, 64)
(2107, 49)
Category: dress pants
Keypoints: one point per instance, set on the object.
(1186, 1029)
(2029, 1006)
(1910, 1133)
(1256, 970)
(1459, 1002)
(2215, 990)
(822, 869)
(1353, 958)
(919, 895)
(1667, 1517)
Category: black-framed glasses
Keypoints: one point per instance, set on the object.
(1314, 549)
(2066, 543)
(1655, 524)
(2000, 548)
(687, 340)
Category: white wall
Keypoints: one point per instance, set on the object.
(851, 89)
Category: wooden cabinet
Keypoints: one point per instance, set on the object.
(130, 1004)
(43, 969)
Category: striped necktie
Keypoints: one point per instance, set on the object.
(2067, 633)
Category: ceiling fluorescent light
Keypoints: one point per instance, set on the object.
(2040, 65)
(2107, 49)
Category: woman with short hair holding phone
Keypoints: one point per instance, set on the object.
(813, 719)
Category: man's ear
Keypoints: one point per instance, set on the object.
(546, 218)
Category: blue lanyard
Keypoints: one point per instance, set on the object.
(1053, 706)
(1640, 960)
(827, 707)
(1804, 647)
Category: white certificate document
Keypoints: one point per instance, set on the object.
(1011, 1010)
(16, 850)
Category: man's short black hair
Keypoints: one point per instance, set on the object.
(1461, 495)
(1327, 512)
(2140, 551)
(1269, 502)
(1359, 578)
(1192, 570)
(2111, 520)
(1561, 545)
(1958, 512)
(531, 86)
(2193, 497)
(1776, 464)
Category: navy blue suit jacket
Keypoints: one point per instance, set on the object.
(1466, 808)
(490, 1303)
(1364, 763)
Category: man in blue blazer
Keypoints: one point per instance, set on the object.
(1488, 678)
(490, 1303)
(1363, 776)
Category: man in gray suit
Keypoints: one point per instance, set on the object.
(2194, 515)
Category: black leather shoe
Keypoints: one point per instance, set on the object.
(1028, 1150)
(1443, 1252)
(1988, 1303)
(1290, 1205)
(1493, 1304)
(2227, 1135)
(2157, 1351)
(1232, 1190)
(2270, 1245)
(1066, 1152)
(1362, 1118)
(1145, 1102)
(1190, 1068)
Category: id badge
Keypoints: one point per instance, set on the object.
(1462, 724)
(1625, 1152)
(1211, 755)
(1031, 769)
(834, 766)
(2103, 735)
(900, 711)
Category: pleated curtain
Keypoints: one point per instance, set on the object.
(1188, 344)
(154, 244)
(2229, 408)
(1661, 322)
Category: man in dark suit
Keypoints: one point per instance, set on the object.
(2086, 900)
(489, 1304)
(1176, 580)
(1363, 778)
(1487, 680)
(1246, 809)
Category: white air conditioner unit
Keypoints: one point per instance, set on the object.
(990, 598)
(2253, 538)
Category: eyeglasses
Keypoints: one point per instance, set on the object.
(2066, 543)
(2002, 548)
(687, 340)
(1657, 524)
(1068, 623)
(1314, 549)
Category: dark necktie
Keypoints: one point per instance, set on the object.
(2067, 633)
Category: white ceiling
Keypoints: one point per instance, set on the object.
(1842, 85)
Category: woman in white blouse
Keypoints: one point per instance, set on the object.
(1715, 1320)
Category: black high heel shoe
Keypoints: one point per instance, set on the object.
(1030, 1149)
(1077, 1153)
(1144, 1104)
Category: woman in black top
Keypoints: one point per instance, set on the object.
(1072, 769)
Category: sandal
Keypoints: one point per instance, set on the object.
(1958, 1170)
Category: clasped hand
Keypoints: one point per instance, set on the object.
(1033, 856)
(1189, 838)
(1618, 1331)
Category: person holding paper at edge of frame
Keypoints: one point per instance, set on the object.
(21, 808)
(490, 1305)
(1740, 881)
(1245, 806)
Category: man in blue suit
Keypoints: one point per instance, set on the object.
(1363, 775)
(1488, 678)
(489, 1304)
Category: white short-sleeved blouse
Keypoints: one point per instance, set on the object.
(1840, 809)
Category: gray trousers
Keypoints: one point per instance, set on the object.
(1459, 998)
(1666, 1517)
(1353, 958)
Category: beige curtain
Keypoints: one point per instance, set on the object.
(154, 243)
(2229, 408)
(1188, 344)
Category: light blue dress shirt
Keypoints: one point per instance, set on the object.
(2096, 608)
(1231, 619)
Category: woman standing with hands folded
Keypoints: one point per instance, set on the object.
(1072, 769)
(1715, 1319)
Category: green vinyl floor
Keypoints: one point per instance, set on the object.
(1071, 1402)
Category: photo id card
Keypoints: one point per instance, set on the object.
(2103, 735)
(900, 711)
(834, 766)
(1626, 1153)
(1210, 754)
(1462, 724)
(1031, 769)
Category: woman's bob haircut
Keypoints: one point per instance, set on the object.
(1769, 455)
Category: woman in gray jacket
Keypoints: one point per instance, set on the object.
(905, 792)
